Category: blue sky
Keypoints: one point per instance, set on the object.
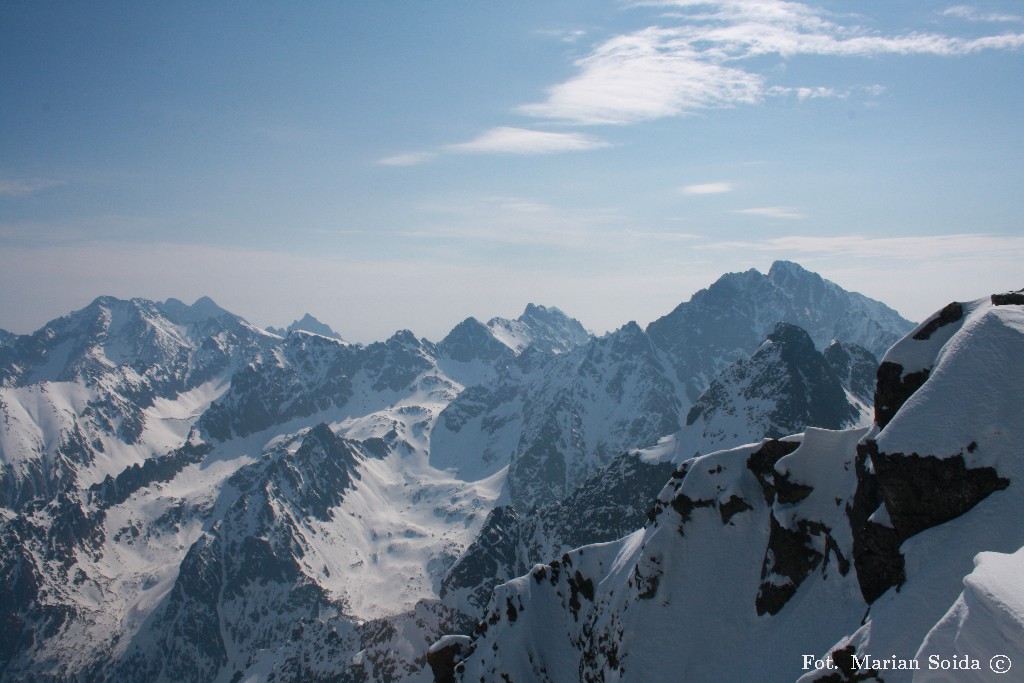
(408, 164)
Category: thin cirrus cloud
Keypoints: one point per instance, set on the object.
(25, 187)
(702, 58)
(410, 159)
(707, 188)
(973, 14)
(506, 140)
(783, 212)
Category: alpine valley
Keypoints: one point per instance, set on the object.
(740, 491)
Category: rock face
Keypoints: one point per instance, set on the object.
(605, 506)
(471, 340)
(784, 387)
(596, 402)
(724, 322)
(755, 556)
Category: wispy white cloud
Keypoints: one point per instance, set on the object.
(20, 187)
(410, 159)
(644, 75)
(701, 58)
(974, 14)
(707, 188)
(505, 140)
(784, 212)
(564, 35)
(508, 140)
(810, 93)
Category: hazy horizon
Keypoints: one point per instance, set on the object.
(407, 165)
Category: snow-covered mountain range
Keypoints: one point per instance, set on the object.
(886, 552)
(185, 496)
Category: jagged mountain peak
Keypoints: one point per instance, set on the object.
(405, 338)
(782, 269)
(471, 340)
(545, 313)
(206, 308)
(628, 339)
(307, 323)
(728, 320)
(791, 335)
(544, 327)
(785, 387)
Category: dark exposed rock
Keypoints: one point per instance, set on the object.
(647, 577)
(789, 555)
(788, 492)
(918, 492)
(443, 659)
(579, 585)
(893, 389)
(115, 490)
(846, 669)
(924, 491)
(1009, 298)
(489, 560)
(876, 548)
(948, 315)
(733, 507)
(762, 464)
(684, 506)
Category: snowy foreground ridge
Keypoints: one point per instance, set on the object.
(893, 552)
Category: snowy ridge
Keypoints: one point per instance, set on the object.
(756, 556)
